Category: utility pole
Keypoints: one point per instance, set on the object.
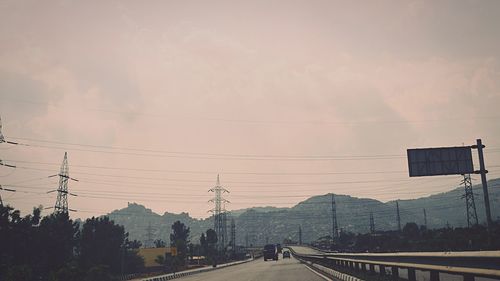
(398, 216)
(469, 201)
(300, 235)
(61, 205)
(425, 219)
(372, 223)
(482, 170)
(219, 214)
(335, 228)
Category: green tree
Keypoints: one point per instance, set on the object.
(211, 246)
(203, 244)
(101, 244)
(411, 230)
(135, 244)
(160, 259)
(100, 273)
(132, 261)
(58, 238)
(179, 238)
(159, 243)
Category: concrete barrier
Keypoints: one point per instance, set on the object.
(171, 276)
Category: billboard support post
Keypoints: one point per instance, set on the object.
(450, 161)
(482, 171)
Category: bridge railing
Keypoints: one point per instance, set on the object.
(467, 264)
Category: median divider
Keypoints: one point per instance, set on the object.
(171, 276)
(469, 265)
(328, 271)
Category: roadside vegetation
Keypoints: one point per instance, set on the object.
(56, 248)
(416, 238)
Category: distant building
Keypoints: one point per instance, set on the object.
(151, 254)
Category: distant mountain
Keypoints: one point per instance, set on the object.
(261, 224)
(266, 209)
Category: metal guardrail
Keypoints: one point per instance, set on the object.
(171, 276)
(467, 264)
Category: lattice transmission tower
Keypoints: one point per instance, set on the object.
(233, 236)
(398, 217)
(335, 227)
(149, 242)
(219, 213)
(372, 223)
(61, 205)
(469, 201)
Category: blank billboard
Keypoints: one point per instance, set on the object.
(440, 161)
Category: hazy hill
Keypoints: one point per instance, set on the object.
(314, 216)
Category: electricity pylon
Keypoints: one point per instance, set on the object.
(469, 201)
(335, 227)
(61, 205)
(372, 223)
(233, 236)
(219, 214)
(398, 216)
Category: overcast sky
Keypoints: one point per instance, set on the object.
(285, 99)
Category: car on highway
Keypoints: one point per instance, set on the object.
(270, 252)
(286, 254)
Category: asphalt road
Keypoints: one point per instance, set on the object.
(259, 270)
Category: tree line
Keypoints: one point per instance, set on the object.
(56, 248)
(414, 238)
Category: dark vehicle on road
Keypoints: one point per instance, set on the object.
(270, 252)
(286, 254)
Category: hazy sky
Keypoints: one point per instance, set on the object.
(285, 99)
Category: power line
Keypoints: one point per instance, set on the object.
(246, 158)
(216, 154)
(225, 172)
(250, 121)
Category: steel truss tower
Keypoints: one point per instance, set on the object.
(335, 227)
(149, 242)
(469, 201)
(300, 235)
(425, 219)
(398, 216)
(62, 192)
(233, 235)
(219, 213)
(372, 223)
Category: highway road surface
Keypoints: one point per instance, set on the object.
(259, 270)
